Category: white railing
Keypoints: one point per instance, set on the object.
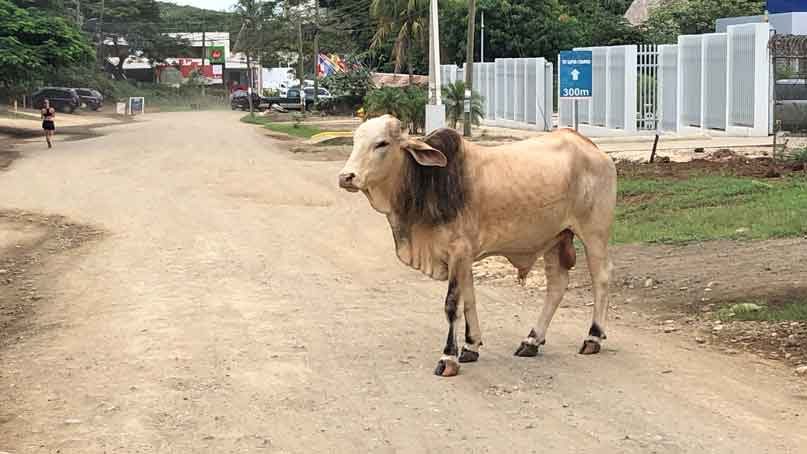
(516, 92)
(717, 83)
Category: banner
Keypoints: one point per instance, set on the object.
(330, 64)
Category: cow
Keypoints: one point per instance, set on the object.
(450, 203)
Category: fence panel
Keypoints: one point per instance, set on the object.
(501, 89)
(690, 79)
(668, 88)
(599, 85)
(715, 63)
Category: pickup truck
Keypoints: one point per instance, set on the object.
(292, 99)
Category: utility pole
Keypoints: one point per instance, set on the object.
(300, 68)
(204, 53)
(482, 40)
(435, 110)
(469, 71)
(78, 13)
(316, 52)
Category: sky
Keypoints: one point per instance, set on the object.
(217, 5)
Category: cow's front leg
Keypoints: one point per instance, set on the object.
(449, 365)
(473, 334)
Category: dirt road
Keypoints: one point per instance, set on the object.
(238, 302)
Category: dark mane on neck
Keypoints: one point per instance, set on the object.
(433, 195)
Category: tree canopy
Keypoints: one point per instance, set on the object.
(34, 42)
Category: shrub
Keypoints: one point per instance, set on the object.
(406, 104)
(454, 99)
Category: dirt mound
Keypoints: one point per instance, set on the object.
(721, 162)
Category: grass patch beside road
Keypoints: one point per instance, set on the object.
(710, 208)
(795, 310)
(297, 130)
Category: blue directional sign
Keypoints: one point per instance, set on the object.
(575, 74)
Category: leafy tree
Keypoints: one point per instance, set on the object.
(525, 28)
(34, 43)
(357, 81)
(408, 22)
(130, 27)
(454, 99)
(686, 17)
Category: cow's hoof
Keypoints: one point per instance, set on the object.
(590, 347)
(468, 356)
(447, 367)
(527, 350)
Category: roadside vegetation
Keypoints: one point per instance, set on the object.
(764, 311)
(710, 207)
(295, 129)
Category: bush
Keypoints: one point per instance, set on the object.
(454, 99)
(340, 105)
(406, 104)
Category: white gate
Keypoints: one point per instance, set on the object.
(716, 83)
(647, 87)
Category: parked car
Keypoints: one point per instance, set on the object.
(90, 98)
(240, 100)
(292, 98)
(322, 93)
(61, 98)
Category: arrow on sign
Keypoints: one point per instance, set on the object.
(575, 74)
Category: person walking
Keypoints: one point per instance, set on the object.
(48, 125)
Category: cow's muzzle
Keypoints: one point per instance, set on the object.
(347, 181)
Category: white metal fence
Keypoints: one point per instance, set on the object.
(516, 92)
(713, 82)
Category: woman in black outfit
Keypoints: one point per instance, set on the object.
(48, 116)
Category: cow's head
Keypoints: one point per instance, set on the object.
(378, 157)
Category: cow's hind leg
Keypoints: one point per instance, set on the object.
(557, 262)
(599, 265)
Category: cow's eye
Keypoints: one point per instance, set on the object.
(381, 145)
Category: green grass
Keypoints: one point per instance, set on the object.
(789, 311)
(302, 130)
(709, 208)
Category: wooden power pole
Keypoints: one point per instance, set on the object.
(316, 51)
(300, 69)
(469, 69)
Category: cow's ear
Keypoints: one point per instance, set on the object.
(424, 154)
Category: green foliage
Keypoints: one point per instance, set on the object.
(356, 82)
(406, 104)
(454, 99)
(183, 18)
(787, 311)
(799, 155)
(405, 20)
(34, 42)
(709, 207)
(687, 17)
(525, 28)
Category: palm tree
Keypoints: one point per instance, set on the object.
(454, 99)
(253, 15)
(408, 20)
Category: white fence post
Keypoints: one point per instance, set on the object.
(668, 88)
(748, 107)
